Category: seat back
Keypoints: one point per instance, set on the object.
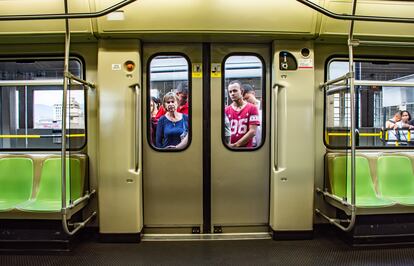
(337, 175)
(364, 186)
(16, 178)
(395, 176)
(50, 188)
(340, 177)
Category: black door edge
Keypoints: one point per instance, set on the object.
(206, 139)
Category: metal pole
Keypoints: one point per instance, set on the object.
(383, 83)
(351, 222)
(333, 81)
(67, 15)
(353, 112)
(353, 17)
(80, 81)
(64, 111)
(26, 116)
(382, 43)
(40, 82)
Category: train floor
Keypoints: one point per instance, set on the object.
(325, 249)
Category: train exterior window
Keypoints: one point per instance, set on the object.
(169, 102)
(383, 116)
(31, 105)
(243, 105)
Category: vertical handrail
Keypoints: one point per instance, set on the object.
(278, 162)
(353, 115)
(274, 125)
(64, 105)
(66, 81)
(351, 83)
(137, 122)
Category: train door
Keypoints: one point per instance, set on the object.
(199, 181)
(172, 177)
(239, 175)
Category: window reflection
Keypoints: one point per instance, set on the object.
(168, 102)
(243, 97)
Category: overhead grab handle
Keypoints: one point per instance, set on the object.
(68, 15)
(354, 17)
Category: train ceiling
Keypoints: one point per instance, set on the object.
(234, 19)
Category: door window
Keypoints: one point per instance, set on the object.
(243, 95)
(169, 102)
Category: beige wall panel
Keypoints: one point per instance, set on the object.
(369, 8)
(120, 185)
(292, 156)
(212, 16)
(24, 7)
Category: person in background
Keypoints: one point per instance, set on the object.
(399, 125)
(172, 128)
(394, 122)
(404, 126)
(406, 121)
(249, 95)
(154, 106)
(182, 93)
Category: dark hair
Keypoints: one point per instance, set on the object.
(237, 82)
(182, 87)
(408, 113)
(247, 88)
(156, 100)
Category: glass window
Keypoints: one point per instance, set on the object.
(243, 95)
(31, 105)
(169, 102)
(383, 117)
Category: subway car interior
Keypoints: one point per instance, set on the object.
(207, 132)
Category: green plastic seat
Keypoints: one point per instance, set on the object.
(16, 182)
(396, 179)
(337, 176)
(365, 194)
(49, 195)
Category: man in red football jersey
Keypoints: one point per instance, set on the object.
(243, 117)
